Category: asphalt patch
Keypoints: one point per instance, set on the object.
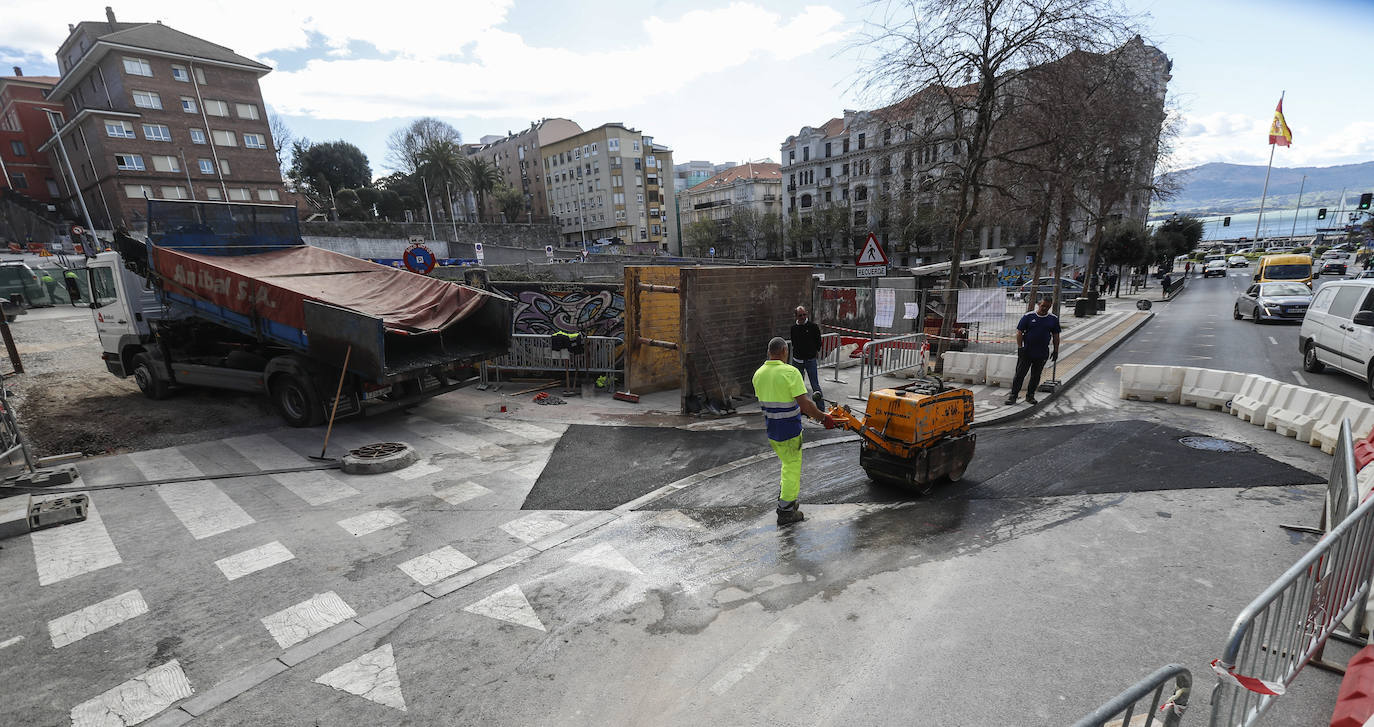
(598, 468)
(1074, 459)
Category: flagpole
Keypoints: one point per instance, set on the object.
(1268, 169)
(1299, 207)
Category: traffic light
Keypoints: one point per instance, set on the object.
(1365, 199)
(1321, 213)
(1226, 222)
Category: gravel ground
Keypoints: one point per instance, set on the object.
(67, 401)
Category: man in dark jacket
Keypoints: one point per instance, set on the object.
(806, 347)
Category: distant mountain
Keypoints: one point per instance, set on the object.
(1233, 188)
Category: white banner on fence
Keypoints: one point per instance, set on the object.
(911, 311)
(886, 307)
(982, 305)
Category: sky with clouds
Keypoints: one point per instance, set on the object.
(721, 80)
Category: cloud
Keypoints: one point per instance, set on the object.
(1244, 139)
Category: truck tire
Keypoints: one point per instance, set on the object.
(296, 400)
(149, 382)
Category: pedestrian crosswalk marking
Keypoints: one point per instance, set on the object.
(533, 527)
(200, 505)
(372, 676)
(251, 561)
(461, 493)
(677, 521)
(295, 624)
(605, 556)
(135, 700)
(95, 618)
(418, 470)
(509, 605)
(529, 431)
(370, 522)
(74, 549)
(437, 565)
(450, 437)
(264, 452)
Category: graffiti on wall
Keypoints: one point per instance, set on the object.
(1013, 275)
(545, 308)
(844, 301)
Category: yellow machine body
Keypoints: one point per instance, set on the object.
(911, 437)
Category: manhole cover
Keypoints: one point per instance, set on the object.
(1212, 444)
(378, 451)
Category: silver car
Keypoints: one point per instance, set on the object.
(1273, 302)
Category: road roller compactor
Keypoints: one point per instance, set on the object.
(914, 435)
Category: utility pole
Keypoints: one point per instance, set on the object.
(76, 186)
(429, 206)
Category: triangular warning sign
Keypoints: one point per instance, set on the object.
(872, 254)
(371, 676)
(508, 605)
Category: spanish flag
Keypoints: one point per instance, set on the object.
(1279, 133)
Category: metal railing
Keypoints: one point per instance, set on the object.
(534, 352)
(887, 356)
(1123, 708)
(1288, 624)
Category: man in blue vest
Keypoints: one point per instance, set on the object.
(1034, 334)
(782, 395)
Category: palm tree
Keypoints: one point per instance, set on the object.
(481, 177)
(442, 165)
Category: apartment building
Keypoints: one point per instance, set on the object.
(518, 157)
(751, 185)
(24, 126)
(611, 183)
(689, 174)
(152, 112)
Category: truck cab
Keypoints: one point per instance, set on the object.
(122, 307)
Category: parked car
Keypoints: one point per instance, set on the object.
(1215, 266)
(1339, 330)
(17, 278)
(1238, 261)
(1069, 289)
(1273, 302)
(1333, 267)
(1363, 274)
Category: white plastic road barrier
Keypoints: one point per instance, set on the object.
(1151, 383)
(969, 368)
(1252, 402)
(1280, 398)
(1331, 414)
(1209, 388)
(1001, 369)
(1361, 418)
(1302, 413)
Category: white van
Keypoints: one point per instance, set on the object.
(1338, 330)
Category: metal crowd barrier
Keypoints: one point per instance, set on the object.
(533, 352)
(1122, 709)
(1288, 624)
(889, 355)
(830, 346)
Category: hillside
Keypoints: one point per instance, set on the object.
(1219, 188)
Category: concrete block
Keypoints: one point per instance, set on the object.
(14, 516)
(47, 477)
(58, 511)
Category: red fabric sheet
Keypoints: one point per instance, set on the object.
(274, 285)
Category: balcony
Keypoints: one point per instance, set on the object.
(826, 182)
(708, 205)
(791, 187)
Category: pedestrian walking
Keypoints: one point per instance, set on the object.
(806, 347)
(782, 395)
(1034, 334)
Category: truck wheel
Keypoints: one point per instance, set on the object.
(153, 386)
(296, 401)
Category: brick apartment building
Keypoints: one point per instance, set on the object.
(24, 126)
(517, 157)
(152, 112)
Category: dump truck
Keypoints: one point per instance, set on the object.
(229, 296)
(913, 435)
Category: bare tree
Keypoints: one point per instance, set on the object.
(282, 139)
(956, 59)
(406, 146)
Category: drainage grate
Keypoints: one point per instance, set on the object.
(378, 450)
(1213, 444)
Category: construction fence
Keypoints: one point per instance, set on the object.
(986, 321)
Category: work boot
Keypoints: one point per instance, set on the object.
(1031, 400)
(1011, 401)
(787, 517)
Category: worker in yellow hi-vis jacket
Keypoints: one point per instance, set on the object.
(782, 395)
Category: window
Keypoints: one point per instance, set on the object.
(18, 181)
(239, 195)
(157, 132)
(861, 192)
(593, 150)
(806, 153)
(224, 138)
(197, 136)
(827, 149)
(577, 153)
(17, 147)
(619, 198)
(268, 195)
(639, 181)
(179, 73)
(206, 166)
(845, 145)
(636, 146)
(613, 144)
(224, 167)
(827, 172)
(138, 191)
(254, 141)
(805, 201)
(137, 67)
(887, 136)
(147, 100)
(131, 162)
(639, 198)
(200, 76)
(216, 108)
(175, 193)
(860, 217)
(246, 111)
(103, 286)
(166, 164)
(650, 161)
(213, 193)
(1344, 304)
(188, 104)
(861, 141)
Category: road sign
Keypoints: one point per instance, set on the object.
(481, 253)
(419, 259)
(873, 271)
(712, 252)
(872, 253)
(77, 230)
(548, 250)
(417, 239)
